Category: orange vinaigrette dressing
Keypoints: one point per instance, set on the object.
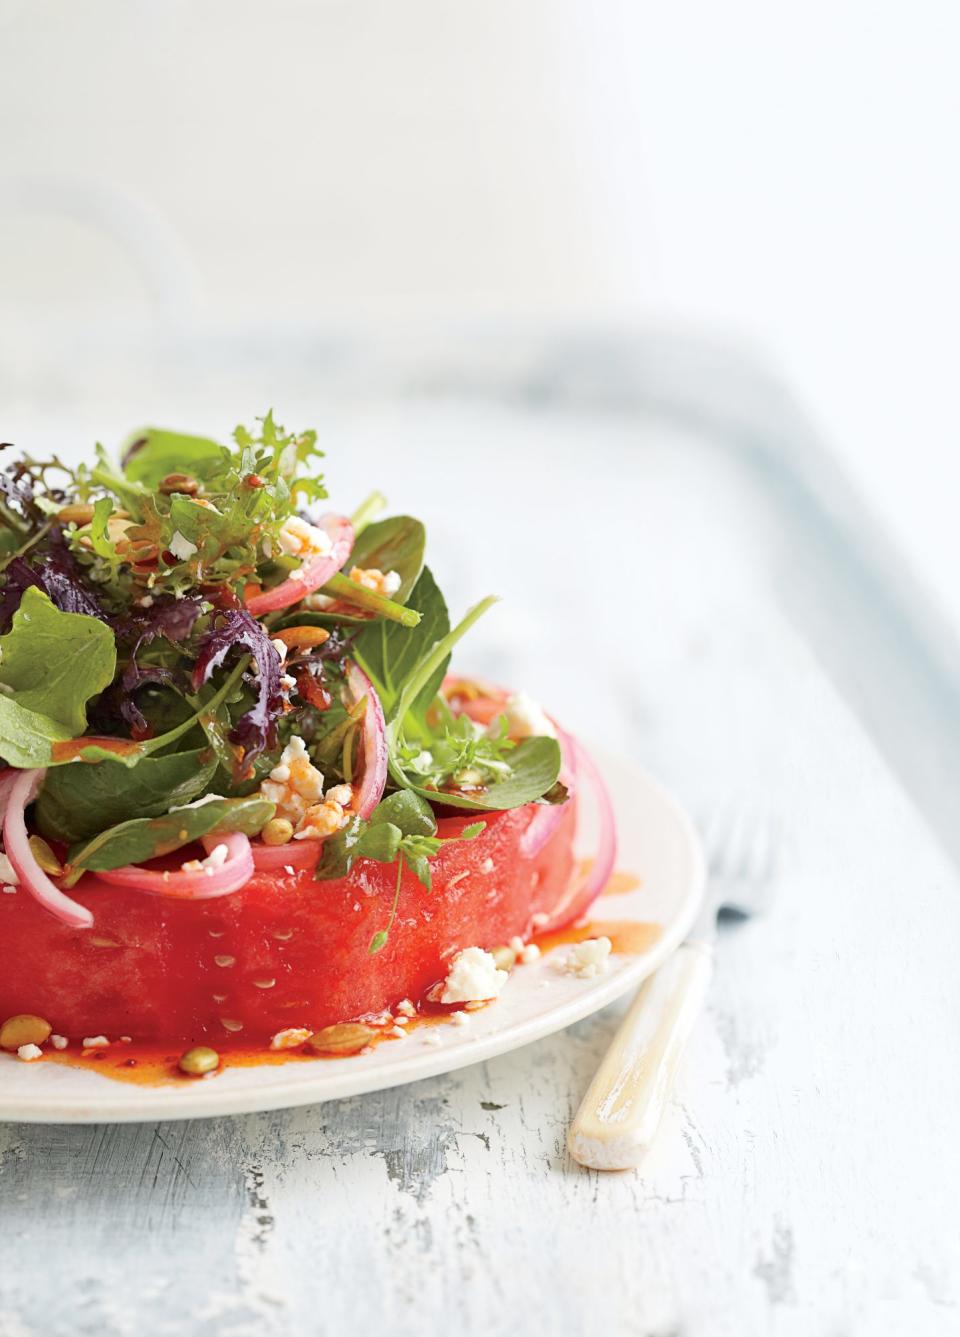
(154, 1063)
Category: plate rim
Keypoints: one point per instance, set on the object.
(208, 1102)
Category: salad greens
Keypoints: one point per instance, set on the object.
(175, 625)
(146, 837)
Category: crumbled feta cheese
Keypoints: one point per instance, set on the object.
(374, 579)
(525, 718)
(96, 1042)
(397, 1032)
(8, 891)
(8, 873)
(406, 1008)
(318, 603)
(321, 820)
(461, 1018)
(530, 953)
(295, 783)
(59, 1041)
(280, 647)
(589, 958)
(181, 547)
(29, 1052)
(432, 1038)
(473, 977)
(290, 1038)
(298, 538)
(342, 794)
(215, 859)
(516, 945)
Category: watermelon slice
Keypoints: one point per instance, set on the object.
(286, 951)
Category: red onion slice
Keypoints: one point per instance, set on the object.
(312, 574)
(20, 794)
(606, 855)
(548, 817)
(296, 854)
(202, 885)
(374, 778)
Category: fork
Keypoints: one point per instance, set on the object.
(621, 1111)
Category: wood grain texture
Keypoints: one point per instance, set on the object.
(804, 1179)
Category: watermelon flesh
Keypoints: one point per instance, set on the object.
(286, 951)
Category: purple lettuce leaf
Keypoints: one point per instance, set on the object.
(237, 630)
(56, 572)
(16, 487)
(170, 618)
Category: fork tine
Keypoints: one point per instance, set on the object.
(742, 856)
(716, 839)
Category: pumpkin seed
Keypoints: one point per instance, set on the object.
(198, 1061)
(278, 831)
(45, 856)
(24, 1029)
(348, 1037)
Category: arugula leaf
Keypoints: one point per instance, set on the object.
(396, 544)
(147, 838)
(76, 802)
(55, 662)
(389, 654)
(154, 453)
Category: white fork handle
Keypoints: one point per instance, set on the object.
(620, 1113)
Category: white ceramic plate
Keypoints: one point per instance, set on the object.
(657, 844)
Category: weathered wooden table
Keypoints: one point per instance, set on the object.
(805, 1179)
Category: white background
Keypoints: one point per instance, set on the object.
(781, 174)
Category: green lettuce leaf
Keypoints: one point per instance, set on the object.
(148, 838)
(77, 802)
(26, 735)
(55, 662)
(163, 453)
(389, 653)
(396, 544)
(51, 664)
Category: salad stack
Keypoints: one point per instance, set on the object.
(212, 686)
